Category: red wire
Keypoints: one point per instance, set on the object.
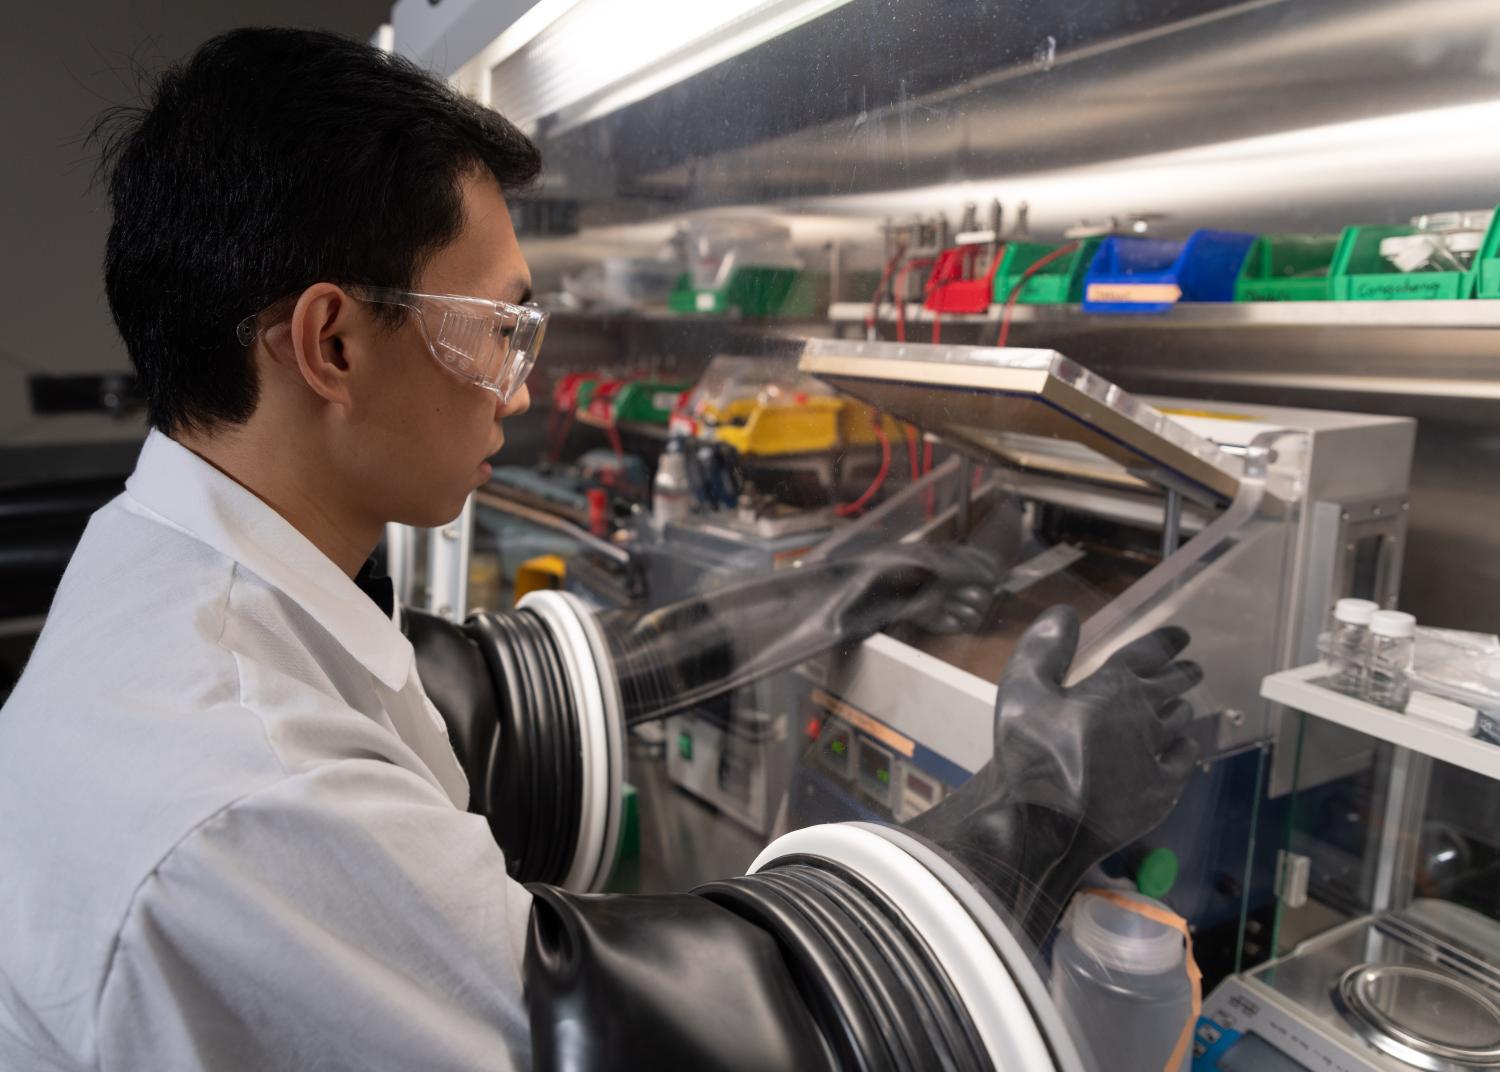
(1015, 291)
(614, 439)
(845, 509)
(937, 326)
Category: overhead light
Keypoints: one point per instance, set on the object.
(1383, 157)
(596, 56)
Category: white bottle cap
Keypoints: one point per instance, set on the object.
(1393, 623)
(1354, 611)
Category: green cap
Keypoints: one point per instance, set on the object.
(1157, 874)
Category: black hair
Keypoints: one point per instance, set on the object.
(270, 160)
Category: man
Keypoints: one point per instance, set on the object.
(233, 829)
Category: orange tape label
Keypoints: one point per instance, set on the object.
(1135, 293)
(864, 723)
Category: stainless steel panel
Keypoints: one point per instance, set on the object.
(1000, 400)
(897, 97)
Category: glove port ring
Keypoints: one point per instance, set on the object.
(984, 982)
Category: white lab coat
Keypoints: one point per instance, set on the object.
(232, 828)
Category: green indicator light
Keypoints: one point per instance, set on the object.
(883, 776)
(685, 746)
(838, 747)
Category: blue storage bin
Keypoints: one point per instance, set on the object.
(1131, 275)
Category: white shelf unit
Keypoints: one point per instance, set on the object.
(1299, 689)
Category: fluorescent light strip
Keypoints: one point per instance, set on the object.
(582, 59)
(733, 37)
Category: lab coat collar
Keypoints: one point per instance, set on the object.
(188, 492)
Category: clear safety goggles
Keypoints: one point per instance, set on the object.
(492, 344)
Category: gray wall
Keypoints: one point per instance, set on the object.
(61, 62)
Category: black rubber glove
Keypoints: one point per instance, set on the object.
(454, 676)
(660, 982)
(684, 654)
(1078, 773)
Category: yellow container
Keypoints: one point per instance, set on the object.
(857, 426)
(808, 426)
(540, 573)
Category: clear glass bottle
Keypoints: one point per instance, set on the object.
(671, 495)
(1343, 646)
(1388, 662)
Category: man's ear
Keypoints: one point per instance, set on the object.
(321, 325)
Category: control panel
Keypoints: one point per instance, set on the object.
(889, 775)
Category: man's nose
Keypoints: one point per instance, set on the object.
(519, 403)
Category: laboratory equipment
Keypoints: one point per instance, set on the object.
(1387, 929)
(1387, 994)
(1241, 524)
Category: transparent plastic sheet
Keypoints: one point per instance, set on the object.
(687, 653)
(1461, 666)
(906, 569)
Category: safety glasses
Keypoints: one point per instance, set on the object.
(492, 344)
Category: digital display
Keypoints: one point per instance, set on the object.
(919, 787)
(875, 769)
(1254, 1054)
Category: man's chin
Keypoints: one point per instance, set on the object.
(432, 515)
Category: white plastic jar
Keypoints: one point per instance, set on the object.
(1121, 986)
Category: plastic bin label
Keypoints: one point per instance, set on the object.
(1135, 293)
(1403, 286)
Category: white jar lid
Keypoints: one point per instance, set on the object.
(1354, 611)
(1393, 623)
(1122, 940)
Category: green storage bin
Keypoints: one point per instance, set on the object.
(751, 291)
(1487, 275)
(648, 401)
(1058, 283)
(1283, 268)
(1360, 273)
(585, 393)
